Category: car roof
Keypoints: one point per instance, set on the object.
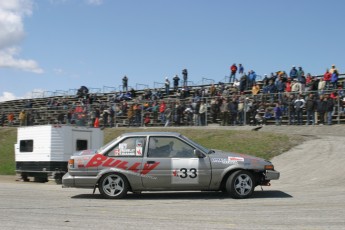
(151, 134)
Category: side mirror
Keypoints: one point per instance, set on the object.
(198, 153)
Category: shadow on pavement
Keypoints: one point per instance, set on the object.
(186, 195)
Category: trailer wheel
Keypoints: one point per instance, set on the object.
(113, 186)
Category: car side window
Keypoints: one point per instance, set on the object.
(169, 147)
(129, 147)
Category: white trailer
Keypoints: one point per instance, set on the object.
(43, 151)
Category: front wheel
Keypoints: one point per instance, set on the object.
(113, 186)
(240, 184)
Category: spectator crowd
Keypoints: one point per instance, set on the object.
(295, 98)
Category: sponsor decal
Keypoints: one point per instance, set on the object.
(225, 161)
(99, 160)
(235, 158)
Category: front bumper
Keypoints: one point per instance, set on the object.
(272, 175)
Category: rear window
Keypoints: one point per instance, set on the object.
(26, 146)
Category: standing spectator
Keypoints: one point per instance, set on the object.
(202, 113)
(280, 88)
(303, 82)
(240, 69)
(310, 107)
(233, 70)
(214, 110)
(185, 77)
(130, 115)
(255, 90)
(321, 109)
(300, 73)
(288, 85)
(314, 84)
(296, 87)
(271, 89)
(299, 105)
(10, 119)
(167, 86)
(291, 109)
(196, 115)
(293, 73)
(224, 112)
(176, 80)
(189, 114)
(112, 116)
(243, 83)
(278, 114)
(233, 109)
(125, 83)
(137, 114)
(162, 108)
(213, 90)
(22, 118)
(330, 106)
(251, 78)
(105, 116)
(321, 86)
(240, 108)
(334, 79)
(147, 119)
(333, 69)
(309, 81)
(327, 78)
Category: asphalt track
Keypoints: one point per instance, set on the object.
(309, 195)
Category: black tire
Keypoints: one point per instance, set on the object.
(113, 186)
(240, 184)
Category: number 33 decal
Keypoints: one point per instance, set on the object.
(184, 173)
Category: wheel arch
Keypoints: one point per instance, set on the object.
(228, 173)
(109, 172)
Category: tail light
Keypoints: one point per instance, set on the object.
(71, 163)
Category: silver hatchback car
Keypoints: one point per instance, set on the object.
(165, 161)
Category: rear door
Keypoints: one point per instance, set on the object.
(176, 166)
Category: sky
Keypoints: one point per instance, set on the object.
(49, 46)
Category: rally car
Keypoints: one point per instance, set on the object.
(165, 161)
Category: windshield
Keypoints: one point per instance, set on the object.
(202, 148)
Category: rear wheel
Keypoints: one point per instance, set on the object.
(240, 184)
(113, 186)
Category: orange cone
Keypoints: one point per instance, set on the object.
(96, 124)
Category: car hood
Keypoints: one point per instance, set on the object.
(219, 157)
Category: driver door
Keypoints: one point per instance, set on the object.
(178, 168)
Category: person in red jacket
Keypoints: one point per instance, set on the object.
(162, 108)
(327, 78)
(288, 85)
(233, 70)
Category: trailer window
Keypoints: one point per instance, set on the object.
(81, 145)
(26, 146)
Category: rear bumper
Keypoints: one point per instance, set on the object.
(78, 181)
(272, 175)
